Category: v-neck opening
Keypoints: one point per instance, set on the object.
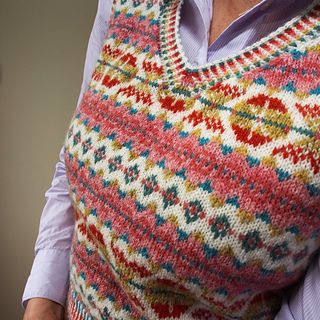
(180, 72)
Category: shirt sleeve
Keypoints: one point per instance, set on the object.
(97, 36)
(49, 276)
(303, 303)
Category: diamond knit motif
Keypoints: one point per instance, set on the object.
(196, 190)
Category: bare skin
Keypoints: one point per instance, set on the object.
(42, 308)
(224, 12)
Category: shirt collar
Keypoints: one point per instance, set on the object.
(205, 10)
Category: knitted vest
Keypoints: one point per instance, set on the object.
(196, 190)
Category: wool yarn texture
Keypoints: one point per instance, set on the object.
(196, 189)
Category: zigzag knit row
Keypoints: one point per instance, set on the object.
(196, 190)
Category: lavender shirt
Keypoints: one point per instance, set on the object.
(49, 276)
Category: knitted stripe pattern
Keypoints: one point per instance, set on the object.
(196, 190)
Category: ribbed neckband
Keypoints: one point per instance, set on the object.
(179, 72)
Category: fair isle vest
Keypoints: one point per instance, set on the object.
(196, 190)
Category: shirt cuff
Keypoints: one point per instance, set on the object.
(49, 276)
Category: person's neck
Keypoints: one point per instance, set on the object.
(226, 11)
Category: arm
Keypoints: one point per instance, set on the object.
(303, 303)
(49, 275)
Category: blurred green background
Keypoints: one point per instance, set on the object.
(42, 52)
